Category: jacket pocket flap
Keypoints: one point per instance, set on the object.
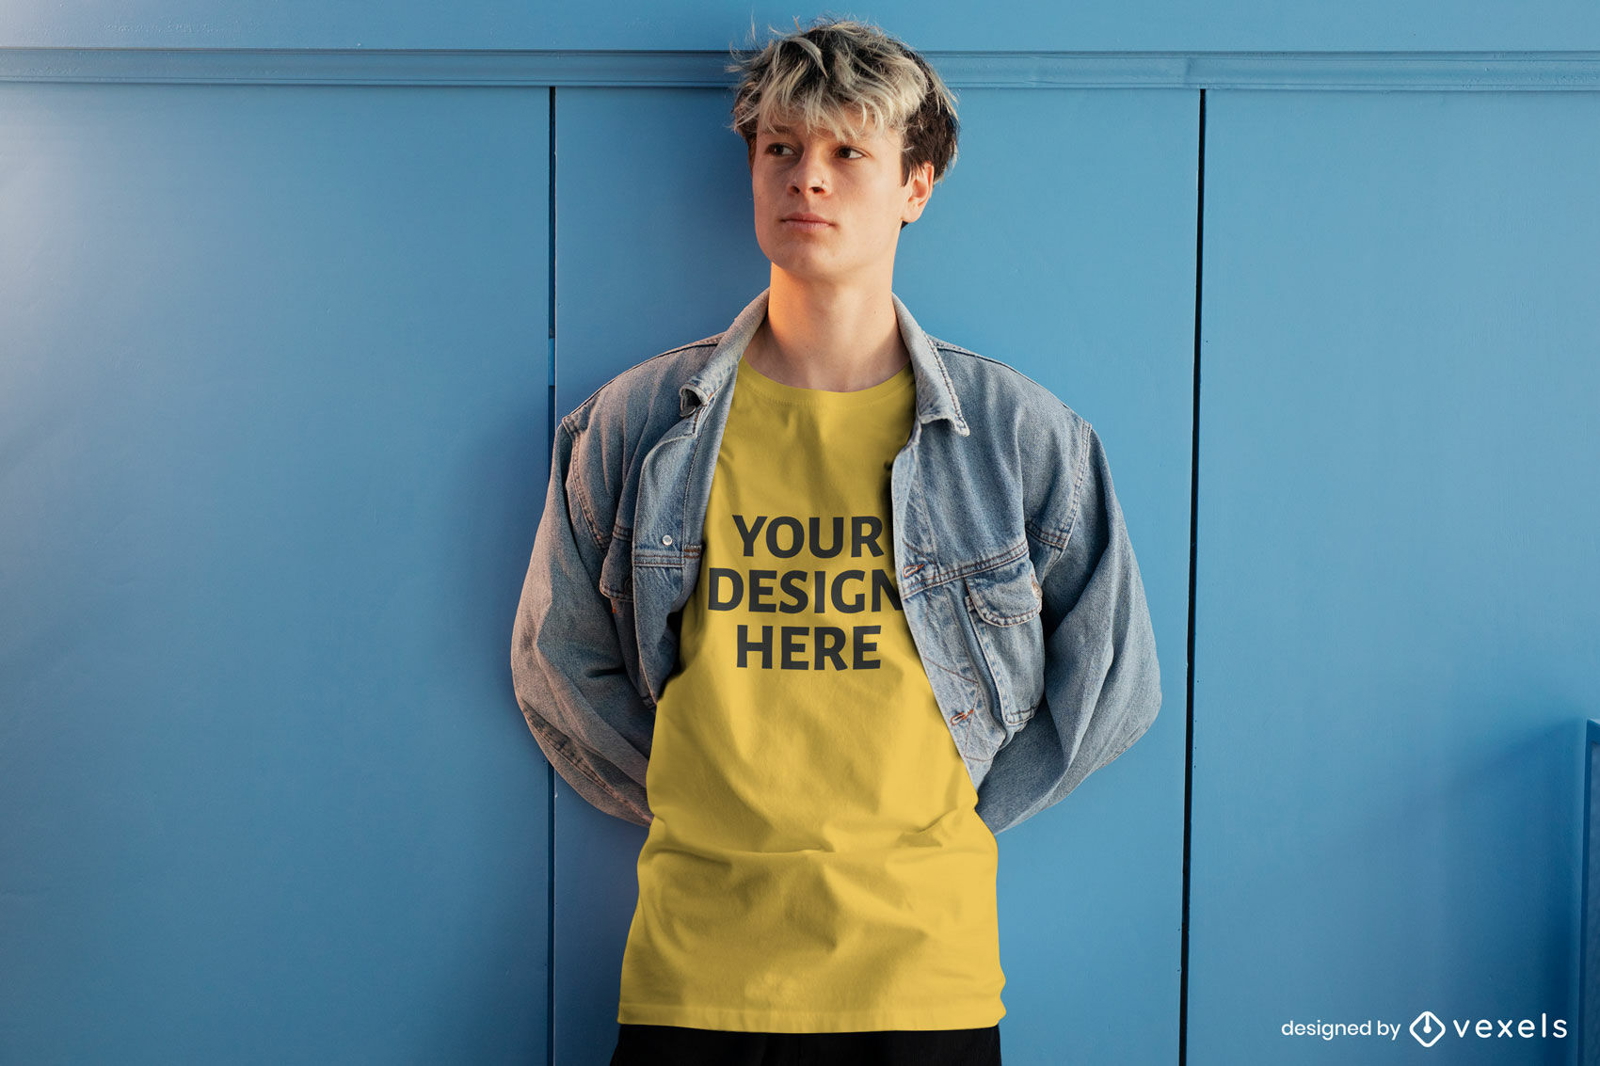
(616, 570)
(1008, 595)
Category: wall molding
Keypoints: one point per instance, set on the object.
(1379, 71)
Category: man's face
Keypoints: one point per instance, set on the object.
(853, 186)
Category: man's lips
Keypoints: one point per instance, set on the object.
(804, 221)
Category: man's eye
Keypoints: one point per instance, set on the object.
(784, 149)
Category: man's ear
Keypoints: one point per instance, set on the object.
(919, 187)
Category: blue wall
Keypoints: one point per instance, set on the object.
(279, 348)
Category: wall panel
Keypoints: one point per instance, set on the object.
(1396, 610)
(1061, 242)
(272, 441)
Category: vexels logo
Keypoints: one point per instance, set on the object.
(1426, 1028)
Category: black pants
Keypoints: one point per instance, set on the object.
(672, 1045)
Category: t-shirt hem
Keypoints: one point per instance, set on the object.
(947, 1016)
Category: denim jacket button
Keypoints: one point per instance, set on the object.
(666, 540)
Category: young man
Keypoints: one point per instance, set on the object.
(826, 603)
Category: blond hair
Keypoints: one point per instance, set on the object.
(847, 77)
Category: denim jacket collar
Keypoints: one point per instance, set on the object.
(936, 396)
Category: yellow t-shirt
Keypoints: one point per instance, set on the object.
(815, 863)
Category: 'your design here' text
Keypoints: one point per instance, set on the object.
(817, 590)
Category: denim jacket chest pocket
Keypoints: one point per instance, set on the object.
(1003, 606)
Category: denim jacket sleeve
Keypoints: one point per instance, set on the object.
(567, 665)
(1102, 681)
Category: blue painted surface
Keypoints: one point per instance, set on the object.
(1396, 619)
(1254, 25)
(1589, 924)
(273, 383)
(1314, 71)
(272, 431)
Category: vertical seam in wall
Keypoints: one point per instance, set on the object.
(1194, 520)
(550, 780)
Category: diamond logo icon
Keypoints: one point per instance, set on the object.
(1427, 1028)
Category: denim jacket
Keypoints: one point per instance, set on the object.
(1015, 573)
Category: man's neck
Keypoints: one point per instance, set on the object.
(836, 338)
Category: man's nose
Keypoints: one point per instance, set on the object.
(811, 173)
